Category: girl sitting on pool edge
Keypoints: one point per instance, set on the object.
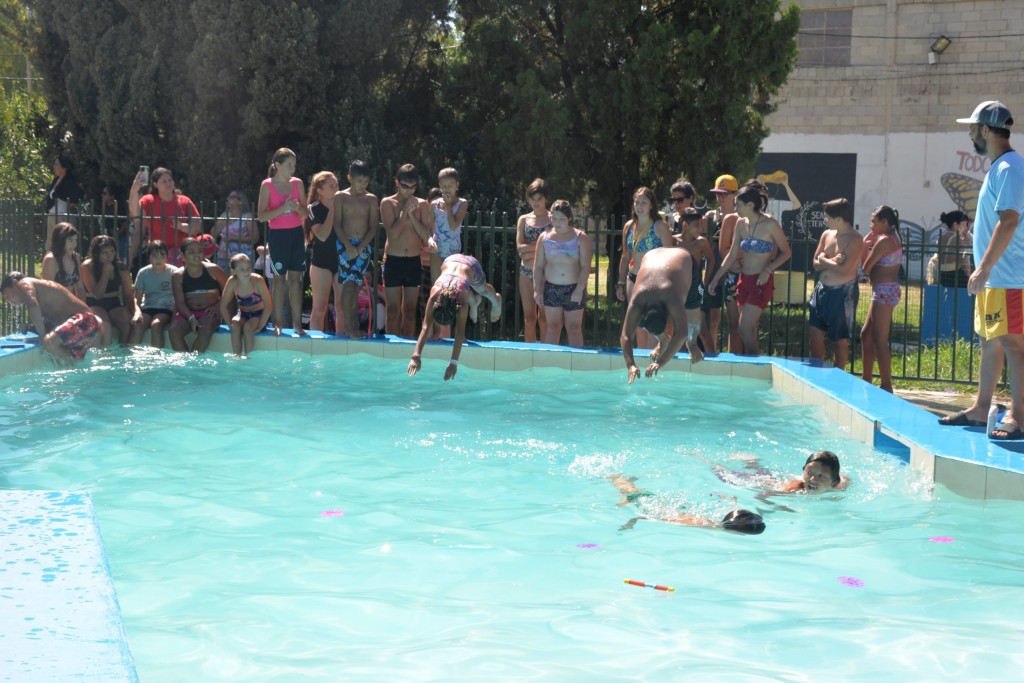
(454, 297)
(738, 520)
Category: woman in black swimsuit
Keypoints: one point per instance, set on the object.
(109, 291)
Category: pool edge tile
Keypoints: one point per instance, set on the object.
(1004, 485)
(964, 478)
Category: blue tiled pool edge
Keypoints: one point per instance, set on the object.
(61, 620)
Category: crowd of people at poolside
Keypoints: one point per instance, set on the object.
(724, 258)
(675, 280)
(678, 269)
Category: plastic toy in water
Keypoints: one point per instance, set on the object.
(656, 587)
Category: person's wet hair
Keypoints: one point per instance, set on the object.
(830, 460)
(691, 215)
(359, 169)
(446, 306)
(839, 208)
(743, 522)
(538, 186)
(889, 215)
(685, 188)
(751, 195)
(654, 318)
(10, 279)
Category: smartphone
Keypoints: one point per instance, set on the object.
(144, 171)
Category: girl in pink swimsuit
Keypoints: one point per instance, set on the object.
(883, 254)
(282, 205)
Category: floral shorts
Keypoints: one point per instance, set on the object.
(888, 293)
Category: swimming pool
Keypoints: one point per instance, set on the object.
(297, 517)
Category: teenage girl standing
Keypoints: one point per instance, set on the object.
(282, 205)
(883, 254)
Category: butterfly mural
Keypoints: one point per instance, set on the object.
(963, 190)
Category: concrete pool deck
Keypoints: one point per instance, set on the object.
(61, 618)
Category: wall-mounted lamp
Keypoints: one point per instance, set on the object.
(937, 48)
(940, 45)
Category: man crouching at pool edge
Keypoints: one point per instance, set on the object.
(50, 306)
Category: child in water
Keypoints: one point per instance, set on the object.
(254, 304)
(739, 521)
(820, 475)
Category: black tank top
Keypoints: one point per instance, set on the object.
(203, 283)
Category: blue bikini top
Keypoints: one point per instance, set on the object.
(756, 245)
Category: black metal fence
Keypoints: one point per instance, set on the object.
(931, 338)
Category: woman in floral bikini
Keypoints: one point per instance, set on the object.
(883, 254)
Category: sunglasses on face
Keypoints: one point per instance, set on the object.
(676, 200)
(408, 186)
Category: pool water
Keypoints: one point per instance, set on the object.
(297, 518)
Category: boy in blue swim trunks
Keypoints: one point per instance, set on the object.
(833, 303)
(355, 215)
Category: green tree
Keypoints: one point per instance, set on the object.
(24, 154)
(602, 97)
(210, 88)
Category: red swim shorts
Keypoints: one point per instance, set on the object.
(749, 292)
(78, 333)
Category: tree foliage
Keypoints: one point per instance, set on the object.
(24, 154)
(597, 96)
(602, 97)
(210, 88)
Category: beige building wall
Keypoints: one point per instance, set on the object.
(895, 110)
(890, 86)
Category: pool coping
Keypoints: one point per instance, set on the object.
(61, 620)
(963, 459)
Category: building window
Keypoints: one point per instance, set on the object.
(824, 38)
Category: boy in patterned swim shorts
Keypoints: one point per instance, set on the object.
(75, 327)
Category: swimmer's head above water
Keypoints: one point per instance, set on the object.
(821, 471)
(743, 522)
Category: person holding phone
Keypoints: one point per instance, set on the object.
(167, 215)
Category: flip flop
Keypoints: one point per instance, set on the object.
(1011, 431)
(960, 420)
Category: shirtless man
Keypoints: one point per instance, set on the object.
(659, 296)
(197, 288)
(50, 305)
(409, 223)
(833, 303)
(355, 215)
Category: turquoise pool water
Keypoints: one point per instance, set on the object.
(470, 533)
